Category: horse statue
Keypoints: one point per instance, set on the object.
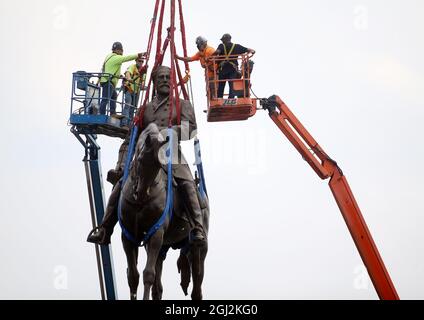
(143, 201)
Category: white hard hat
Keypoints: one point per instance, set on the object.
(201, 40)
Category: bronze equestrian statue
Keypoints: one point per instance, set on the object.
(144, 197)
(142, 203)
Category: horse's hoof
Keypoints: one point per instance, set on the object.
(156, 297)
(133, 297)
(185, 290)
(196, 297)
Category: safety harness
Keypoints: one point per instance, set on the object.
(114, 74)
(131, 85)
(227, 57)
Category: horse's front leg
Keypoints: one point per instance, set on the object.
(157, 289)
(153, 248)
(198, 255)
(183, 265)
(131, 252)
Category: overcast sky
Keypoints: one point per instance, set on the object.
(353, 73)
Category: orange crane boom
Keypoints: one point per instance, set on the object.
(326, 168)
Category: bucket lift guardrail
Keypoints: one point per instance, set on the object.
(224, 108)
(86, 99)
(241, 83)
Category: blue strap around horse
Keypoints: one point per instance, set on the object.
(199, 164)
(169, 194)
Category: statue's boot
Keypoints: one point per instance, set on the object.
(99, 235)
(103, 233)
(192, 202)
(114, 175)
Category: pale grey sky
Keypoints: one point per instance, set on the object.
(353, 73)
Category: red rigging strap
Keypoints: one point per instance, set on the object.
(144, 68)
(171, 33)
(164, 48)
(158, 62)
(152, 30)
(160, 27)
(150, 42)
(159, 57)
(174, 88)
(160, 53)
(184, 43)
(139, 119)
(181, 80)
(183, 34)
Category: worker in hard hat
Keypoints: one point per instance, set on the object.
(112, 69)
(228, 68)
(205, 51)
(135, 78)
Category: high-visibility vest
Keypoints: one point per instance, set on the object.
(227, 56)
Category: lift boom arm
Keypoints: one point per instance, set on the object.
(326, 168)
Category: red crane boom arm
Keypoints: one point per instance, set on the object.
(325, 167)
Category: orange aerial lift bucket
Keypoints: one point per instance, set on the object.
(225, 108)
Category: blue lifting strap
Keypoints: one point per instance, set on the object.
(169, 194)
(199, 164)
(130, 154)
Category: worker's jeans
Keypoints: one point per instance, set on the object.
(212, 90)
(131, 101)
(226, 75)
(108, 95)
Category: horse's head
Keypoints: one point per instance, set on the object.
(148, 147)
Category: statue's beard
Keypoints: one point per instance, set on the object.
(163, 90)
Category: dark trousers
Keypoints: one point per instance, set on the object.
(212, 93)
(227, 75)
(188, 192)
(131, 101)
(108, 95)
(110, 218)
